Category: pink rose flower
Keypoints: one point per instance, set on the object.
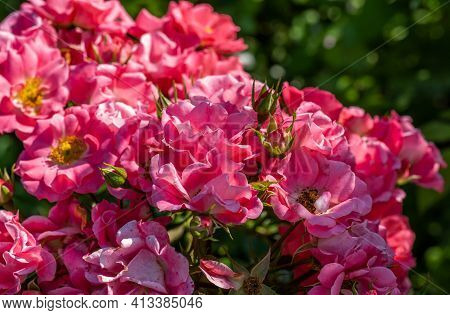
(65, 220)
(199, 26)
(168, 65)
(326, 193)
(136, 143)
(400, 238)
(113, 114)
(203, 156)
(107, 218)
(293, 98)
(63, 155)
(96, 14)
(26, 24)
(234, 91)
(357, 259)
(142, 263)
(392, 206)
(33, 79)
(146, 23)
(93, 84)
(20, 255)
(356, 120)
(421, 160)
(315, 130)
(376, 165)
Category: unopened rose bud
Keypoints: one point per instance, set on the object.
(201, 227)
(265, 103)
(6, 187)
(6, 192)
(114, 176)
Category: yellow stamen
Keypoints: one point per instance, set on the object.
(68, 150)
(307, 199)
(31, 94)
(209, 30)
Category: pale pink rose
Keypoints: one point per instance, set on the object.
(108, 218)
(220, 274)
(63, 155)
(142, 263)
(376, 165)
(356, 120)
(326, 193)
(33, 79)
(293, 98)
(20, 255)
(199, 26)
(357, 259)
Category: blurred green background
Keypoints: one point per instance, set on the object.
(377, 54)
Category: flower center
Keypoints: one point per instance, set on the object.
(31, 94)
(307, 198)
(209, 30)
(68, 150)
(252, 286)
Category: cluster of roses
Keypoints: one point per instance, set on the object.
(160, 110)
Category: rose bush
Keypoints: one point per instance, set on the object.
(151, 140)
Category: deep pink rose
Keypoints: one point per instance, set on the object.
(293, 98)
(108, 218)
(326, 193)
(63, 155)
(357, 259)
(33, 79)
(199, 26)
(20, 255)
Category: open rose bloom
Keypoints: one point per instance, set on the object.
(152, 144)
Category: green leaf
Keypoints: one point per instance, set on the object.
(265, 290)
(262, 268)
